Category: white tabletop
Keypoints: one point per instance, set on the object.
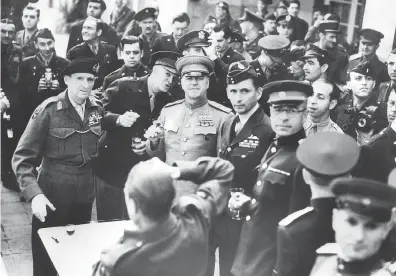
(75, 254)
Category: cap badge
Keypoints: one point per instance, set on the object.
(95, 68)
(201, 35)
(282, 94)
(366, 201)
(221, 4)
(147, 11)
(288, 18)
(240, 66)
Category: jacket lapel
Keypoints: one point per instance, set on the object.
(249, 127)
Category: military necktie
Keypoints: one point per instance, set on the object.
(314, 129)
(238, 125)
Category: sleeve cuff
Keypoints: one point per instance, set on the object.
(31, 191)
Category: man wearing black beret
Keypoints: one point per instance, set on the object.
(369, 42)
(62, 137)
(95, 9)
(271, 197)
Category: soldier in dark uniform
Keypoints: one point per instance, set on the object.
(324, 157)
(13, 10)
(25, 37)
(95, 9)
(300, 25)
(385, 88)
(272, 58)
(269, 24)
(362, 85)
(132, 104)
(361, 222)
(168, 241)
(120, 17)
(62, 138)
(286, 26)
(369, 43)
(180, 25)
(243, 140)
(220, 39)
(131, 52)
(271, 195)
(146, 19)
(236, 42)
(223, 16)
(329, 31)
(93, 47)
(384, 142)
(251, 25)
(11, 129)
(39, 76)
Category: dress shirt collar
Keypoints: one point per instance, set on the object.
(243, 118)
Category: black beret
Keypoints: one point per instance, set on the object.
(144, 14)
(101, 2)
(365, 68)
(166, 59)
(269, 16)
(251, 16)
(240, 71)
(286, 19)
(371, 35)
(365, 196)
(287, 90)
(329, 26)
(237, 37)
(82, 65)
(198, 38)
(313, 51)
(223, 5)
(328, 153)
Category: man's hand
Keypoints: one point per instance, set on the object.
(39, 206)
(54, 85)
(158, 165)
(127, 119)
(42, 85)
(4, 102)
(154, 134)
(211, 52)
(139, 149)
(97, 93)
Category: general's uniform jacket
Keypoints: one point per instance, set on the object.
(246, 149)
(380, 69)
(148, 44)
(107, 57)
(56, 136)
(31, 70)
(253, 48)
(178, 246)
(328, 264)
(108, 35)
(116, 157)
(256, 254)
(165, 43)
(300, 234)
(28, 47)
(124, 71)
(120, 20)
(190, 133)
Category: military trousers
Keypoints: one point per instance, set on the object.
(224, 236)
(110, 202)
(71, 190)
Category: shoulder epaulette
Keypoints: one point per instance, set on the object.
(174, 103)
(292, 217)
(342, 48)
(43, 105)
(328, 249)
(219, 106)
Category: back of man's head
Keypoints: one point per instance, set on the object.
(152, 190)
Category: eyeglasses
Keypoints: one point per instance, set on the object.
(288, 109)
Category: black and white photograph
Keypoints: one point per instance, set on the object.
(198, 137)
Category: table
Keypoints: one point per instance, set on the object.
(75, 254)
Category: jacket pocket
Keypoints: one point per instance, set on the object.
(57, 140)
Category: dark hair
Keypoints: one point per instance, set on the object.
(225, 28)
(335, 94)
(183, 17)
(295, 2)
(131, 40)
(44, 33)
(7, 21)
(103, 6)
(33, 8)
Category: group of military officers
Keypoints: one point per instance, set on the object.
(164, 135)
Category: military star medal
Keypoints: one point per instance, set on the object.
(94, 119)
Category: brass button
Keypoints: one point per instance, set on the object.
(183, 153)
(259, 183)
(273, 149)
(229, 149)
(188, 126)
(243, 156)
(264, 166)
(184, 139)
(139, 243)
(190, 113)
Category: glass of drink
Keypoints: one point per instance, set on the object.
(236, 193)
(136, 141)
(70, 228)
